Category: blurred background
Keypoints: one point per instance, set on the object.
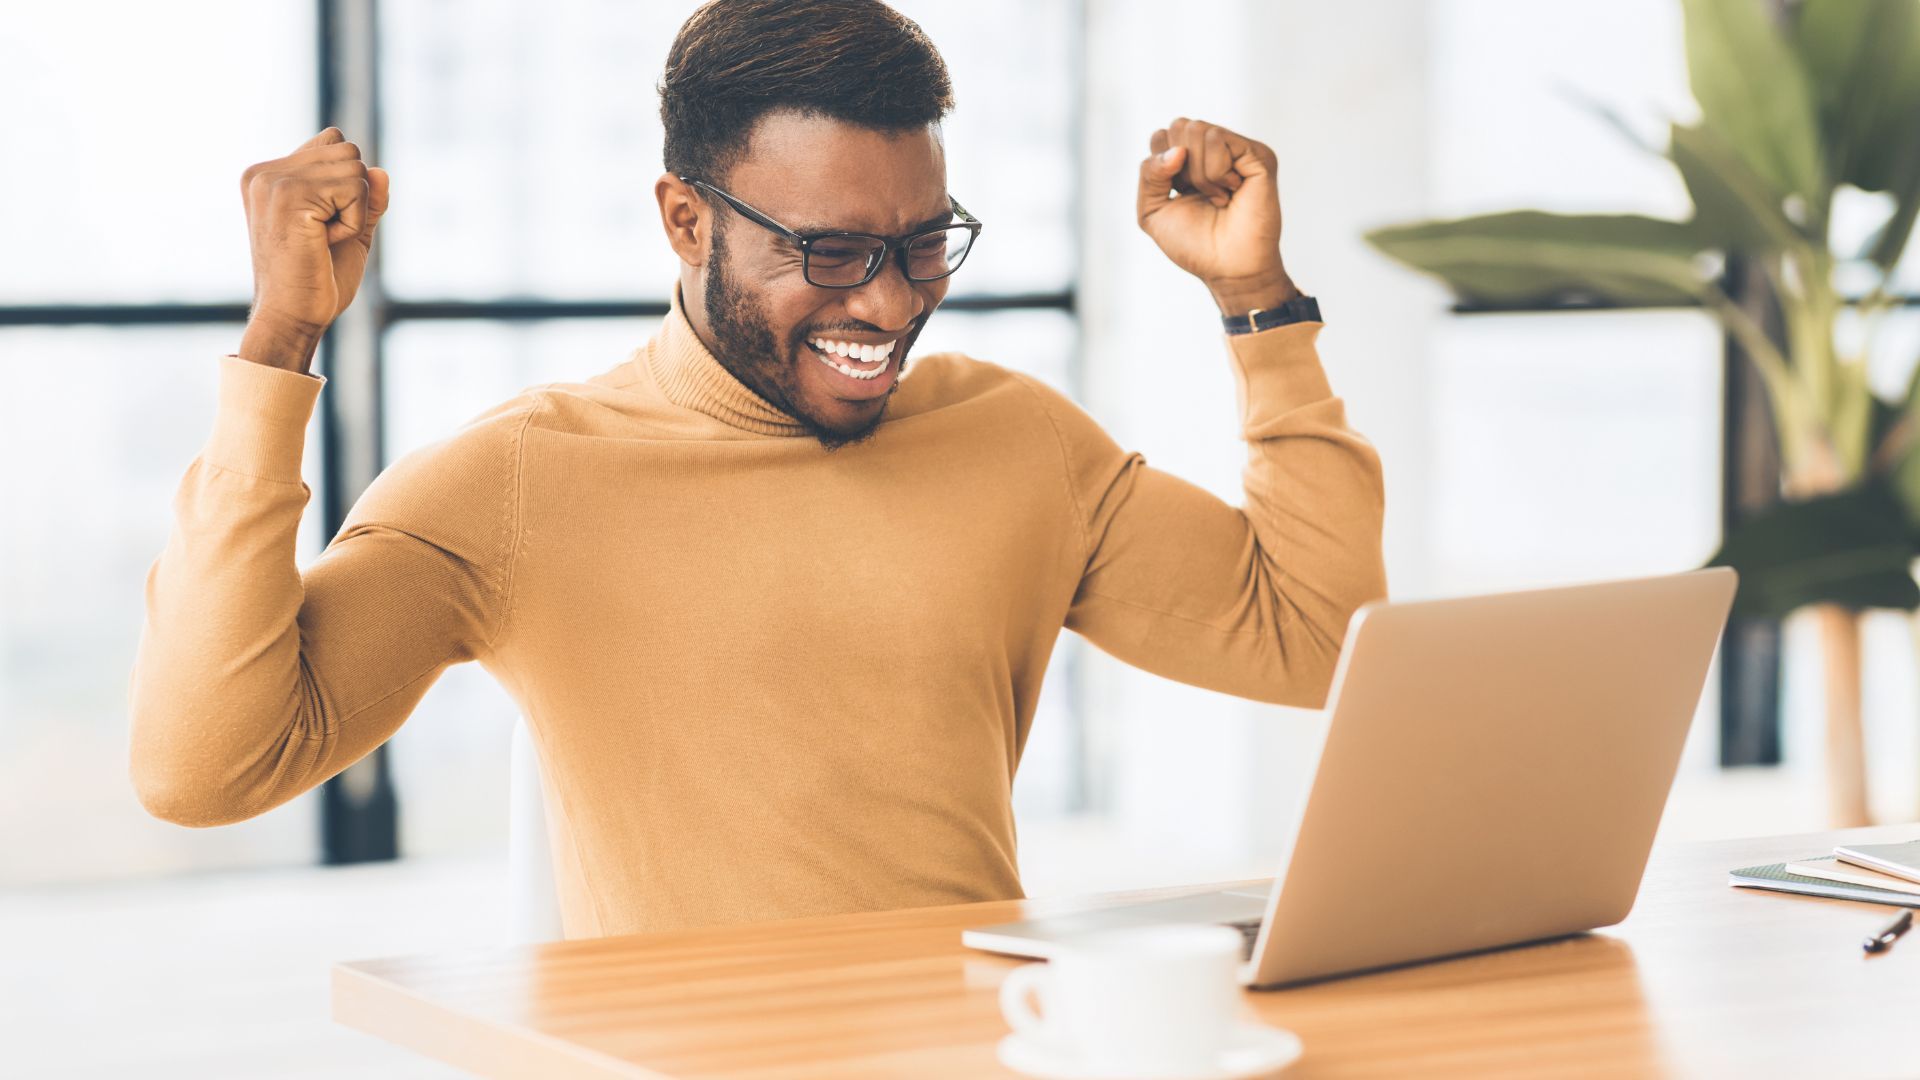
(1526, 441)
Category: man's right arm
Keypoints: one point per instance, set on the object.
(254, 681)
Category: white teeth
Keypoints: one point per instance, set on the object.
(853, 350)
(856, 373)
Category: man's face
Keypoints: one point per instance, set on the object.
(762, 317)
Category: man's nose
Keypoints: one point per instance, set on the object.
(889, 299)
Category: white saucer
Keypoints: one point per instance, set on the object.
(1254, 1049)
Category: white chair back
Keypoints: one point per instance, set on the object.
(533, 908)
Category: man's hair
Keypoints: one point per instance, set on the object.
(736, 60)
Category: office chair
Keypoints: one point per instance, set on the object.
(533, 908)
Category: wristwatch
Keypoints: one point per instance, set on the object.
(1299, 309)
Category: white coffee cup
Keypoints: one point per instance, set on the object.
(1140, 1001)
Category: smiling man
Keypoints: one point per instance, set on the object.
(777, 614)
(842, 182)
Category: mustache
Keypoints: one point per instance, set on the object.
(859, 327)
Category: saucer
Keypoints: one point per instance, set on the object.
(1253, 1049)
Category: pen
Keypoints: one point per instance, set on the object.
(1885, 938)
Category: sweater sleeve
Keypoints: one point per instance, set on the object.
(1249, 601)
(255, 681)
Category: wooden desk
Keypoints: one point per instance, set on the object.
(1701, 979)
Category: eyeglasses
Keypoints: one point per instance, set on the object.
(844, 260)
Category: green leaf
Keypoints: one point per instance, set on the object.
(1852, 417)
(1854, 548)
(1529, 256)
(1905, 473)
(1900, 443)
(1753, 89)
(1887, 246)
(1864, 60)
(1891, 242)
(1883, 421)
(1734, 207)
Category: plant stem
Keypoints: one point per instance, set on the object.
(1791, 416)
(1792, 291)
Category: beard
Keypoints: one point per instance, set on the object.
(744, 343)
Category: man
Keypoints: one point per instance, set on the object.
(777, 615)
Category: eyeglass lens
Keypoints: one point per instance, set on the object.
(845, 260)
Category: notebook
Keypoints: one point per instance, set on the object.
(1775, 877)
(1832, 869)
(1900, 860)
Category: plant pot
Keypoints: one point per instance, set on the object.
(1846, 744)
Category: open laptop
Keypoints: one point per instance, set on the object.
(1494, 770)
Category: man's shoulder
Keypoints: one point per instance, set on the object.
(947, 380)
(472, 468)
(497, 426)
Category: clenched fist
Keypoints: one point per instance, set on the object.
(1208, 197)
(310, 217)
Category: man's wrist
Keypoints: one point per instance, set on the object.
(1237, 296)
(1299, 309)
(279, 344)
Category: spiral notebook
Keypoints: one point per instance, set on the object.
(1774, 876)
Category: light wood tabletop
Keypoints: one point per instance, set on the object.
(1701, 980)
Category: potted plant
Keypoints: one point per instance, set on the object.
(1798, 101)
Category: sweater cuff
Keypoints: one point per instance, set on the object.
(1277, 371)
(260, 425)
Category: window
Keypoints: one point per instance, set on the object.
(1643, 388)
(101, 423)
(188, 104)
(1574, 447)
(106, 399)
(1568, 446)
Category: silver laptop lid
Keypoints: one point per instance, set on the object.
(1494, 770)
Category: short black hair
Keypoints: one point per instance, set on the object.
(736, 60)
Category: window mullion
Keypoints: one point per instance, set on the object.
(359, 818)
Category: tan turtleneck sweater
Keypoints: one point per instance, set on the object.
(765, 680)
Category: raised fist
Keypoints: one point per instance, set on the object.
(311, 216)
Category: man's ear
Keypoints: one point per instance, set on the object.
(686, 217)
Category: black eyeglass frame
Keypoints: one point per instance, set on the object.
(889, 244)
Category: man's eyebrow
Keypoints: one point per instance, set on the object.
(942, 218)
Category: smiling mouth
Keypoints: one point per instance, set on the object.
(852, 359)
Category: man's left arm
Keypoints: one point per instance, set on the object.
(1251, 601)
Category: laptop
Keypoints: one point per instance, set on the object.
(1493, 773)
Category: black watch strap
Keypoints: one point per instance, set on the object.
(1299, 309)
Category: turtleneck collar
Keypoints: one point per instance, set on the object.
(690, 377)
